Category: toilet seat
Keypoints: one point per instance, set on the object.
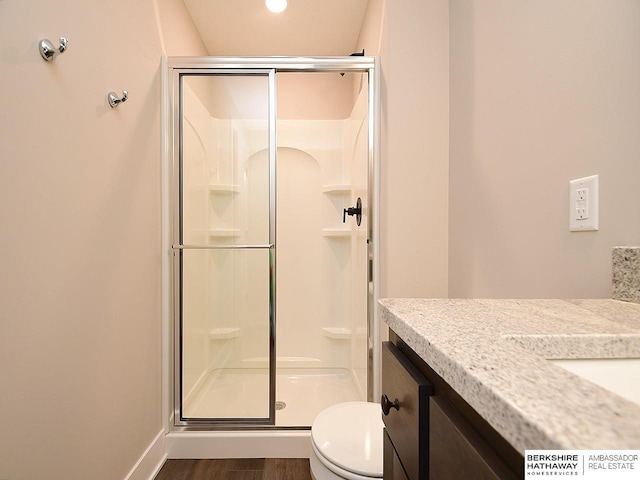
(347, 439)
(330, 471)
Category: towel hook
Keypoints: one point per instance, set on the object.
(114, 101)
(48, 51)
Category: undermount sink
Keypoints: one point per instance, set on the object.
(618, 375)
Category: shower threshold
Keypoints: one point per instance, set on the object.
(305, 392)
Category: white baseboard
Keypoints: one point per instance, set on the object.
(151, 461)
(252, 444)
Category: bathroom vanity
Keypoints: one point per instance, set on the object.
(467, 385)
(430, 430)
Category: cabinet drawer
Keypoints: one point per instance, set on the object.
(406, 391)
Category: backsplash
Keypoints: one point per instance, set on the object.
(626, 274)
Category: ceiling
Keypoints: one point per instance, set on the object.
(305, 28)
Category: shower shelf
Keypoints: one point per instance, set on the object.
(336, 232)
(336, 189)
(224, 188)
(337, 333)
(223, 333)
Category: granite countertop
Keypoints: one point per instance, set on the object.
(493, 353)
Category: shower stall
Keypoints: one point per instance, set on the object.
(273, 237)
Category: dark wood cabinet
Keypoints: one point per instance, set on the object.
(405, 409)
(393, 469)
(456, 450)
(431, 432)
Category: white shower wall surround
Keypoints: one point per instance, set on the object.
(320, 315)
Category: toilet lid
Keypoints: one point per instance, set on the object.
(349, 435)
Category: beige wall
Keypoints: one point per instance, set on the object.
(541, 92)
(414, 164)
(81, 260)
(178, 33)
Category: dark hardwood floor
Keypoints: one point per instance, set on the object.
(236, 469)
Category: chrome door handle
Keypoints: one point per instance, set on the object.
(222, 247)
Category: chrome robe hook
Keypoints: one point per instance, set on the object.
(114, 101)
(48, 51)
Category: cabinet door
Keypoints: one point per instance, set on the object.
(393, 469)
(405, 391)
(456, 450)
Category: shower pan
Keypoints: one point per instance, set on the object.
(273, 171)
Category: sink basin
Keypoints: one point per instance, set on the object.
(618, 375)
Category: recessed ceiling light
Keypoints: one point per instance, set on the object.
(276, 6)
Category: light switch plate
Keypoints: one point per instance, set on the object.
(583, 204)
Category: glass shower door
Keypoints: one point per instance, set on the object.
(226, 247)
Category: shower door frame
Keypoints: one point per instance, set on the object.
(175, 67)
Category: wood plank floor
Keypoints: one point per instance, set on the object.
(236, 469)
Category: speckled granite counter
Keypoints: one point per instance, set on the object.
(626, 274)
(493, 353)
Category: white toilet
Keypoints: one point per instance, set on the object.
(346, 441)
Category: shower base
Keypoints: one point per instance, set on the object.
(234, 393)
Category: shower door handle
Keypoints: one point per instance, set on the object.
(223, 247)
(357, 211)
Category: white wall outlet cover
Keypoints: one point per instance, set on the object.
(583, 204)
